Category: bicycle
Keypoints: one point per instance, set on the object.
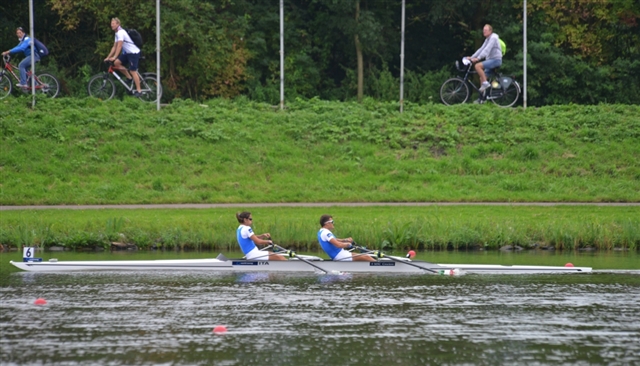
(101, 86)
(504, 91)
(45, 83)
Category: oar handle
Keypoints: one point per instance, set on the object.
(287, 252)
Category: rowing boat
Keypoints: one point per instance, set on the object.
(221, 263)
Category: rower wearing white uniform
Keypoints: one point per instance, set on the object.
(335, 247)
(248, 240)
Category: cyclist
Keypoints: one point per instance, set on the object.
(129, 55)
(25, 64)
(490, 53)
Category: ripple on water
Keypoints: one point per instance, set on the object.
(137, 318)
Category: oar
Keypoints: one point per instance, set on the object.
(293, 254)
(379, 254)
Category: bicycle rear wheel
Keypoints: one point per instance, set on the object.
(101, 87)
(149, 89)
(48, 85)
(454, 91)
(505, 98)
(5, 86)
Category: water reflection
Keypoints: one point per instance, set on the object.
(330, 278)
(253, 277)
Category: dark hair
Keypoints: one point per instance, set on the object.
(242, 215)
(20, 29)
(324, 219)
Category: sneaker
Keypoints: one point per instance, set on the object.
(478, 101)
(137, 94)
(22, 86)
(484, 86)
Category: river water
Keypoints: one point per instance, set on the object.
(145, 318)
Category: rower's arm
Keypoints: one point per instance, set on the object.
(259, 241)
(341, 243)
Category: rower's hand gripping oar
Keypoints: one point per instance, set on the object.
(379, 254)
(292, 254)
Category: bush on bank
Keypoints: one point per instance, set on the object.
(389, 228)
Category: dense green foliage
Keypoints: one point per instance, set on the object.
(389, 228)
(83, 151)
(579, 51)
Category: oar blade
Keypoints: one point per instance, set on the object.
(455, 272)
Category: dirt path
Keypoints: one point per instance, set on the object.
(318, 204)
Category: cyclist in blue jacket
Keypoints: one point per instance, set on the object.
(23, 46)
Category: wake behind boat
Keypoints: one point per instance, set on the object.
(300, 263)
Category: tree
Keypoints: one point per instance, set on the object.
(204, 53)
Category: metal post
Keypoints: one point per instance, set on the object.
(158, 54)
(524, 56)
(281, 54)
(33, 56)
(402, 60)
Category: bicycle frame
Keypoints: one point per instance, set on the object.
(143, 87)
(102, 86)
(112, 71)
(8, 66)
(484, 96)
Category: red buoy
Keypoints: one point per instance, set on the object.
(220, 329)
(569, 265)
(411, 254)
(40, 301)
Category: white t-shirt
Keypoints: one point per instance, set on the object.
(127, 44)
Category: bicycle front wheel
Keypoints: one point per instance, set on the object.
(454, 91)
(149, 89)
(48, 85)
(101, 87)
(5, 86)
(505, 97)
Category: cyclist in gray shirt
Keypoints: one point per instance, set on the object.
(488, 56)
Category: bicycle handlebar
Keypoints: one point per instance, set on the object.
(464, 68)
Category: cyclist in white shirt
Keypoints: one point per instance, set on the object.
(129, 54)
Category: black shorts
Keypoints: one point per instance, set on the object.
(130, 60)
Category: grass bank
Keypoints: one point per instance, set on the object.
(83, 151)
(389, 228)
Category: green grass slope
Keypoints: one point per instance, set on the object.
(83, 151)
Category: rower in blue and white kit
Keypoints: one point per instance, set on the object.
(248, 240)
(335, 247)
